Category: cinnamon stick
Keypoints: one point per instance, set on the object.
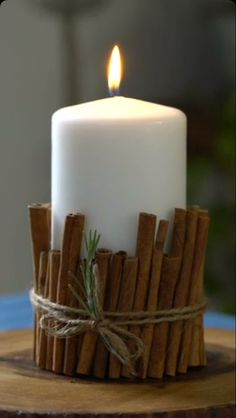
(178, 233)
(144, 250)
(197, 350)
(169, 276)
(69, 262)
(199, 254)
(199, 324)
(111, 302)
(147, 332)
(125, 304)
(54, 265)
(145, 244)
(203, 354)
(40, 219)
(89, 341)
(41, 339)
(71, 344)
(181, 293)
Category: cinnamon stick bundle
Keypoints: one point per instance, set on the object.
(197, 350)
(89, 340)
(169, 276)
(70, 256)
(54, 265)
(181, 293)
(41, 341)
(147, 332)
(199, 255)
(125, 304)
(144, 250)
(111, 302)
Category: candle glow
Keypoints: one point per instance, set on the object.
(114, 71)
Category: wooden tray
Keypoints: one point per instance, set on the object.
(26, 391)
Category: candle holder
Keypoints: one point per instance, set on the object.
(121, 315)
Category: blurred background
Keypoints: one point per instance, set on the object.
(54, 53)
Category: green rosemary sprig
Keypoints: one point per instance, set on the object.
(89, 298)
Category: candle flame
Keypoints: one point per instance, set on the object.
(114, 71)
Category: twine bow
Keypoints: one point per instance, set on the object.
(64, 322)
(57, 323)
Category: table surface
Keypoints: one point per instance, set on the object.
(16, 313)
(206, 392)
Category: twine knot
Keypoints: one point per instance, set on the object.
(102, 323)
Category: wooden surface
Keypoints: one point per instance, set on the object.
(30, 392)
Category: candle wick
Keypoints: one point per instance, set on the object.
(114, 92)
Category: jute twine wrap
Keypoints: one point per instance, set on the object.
(63, 322)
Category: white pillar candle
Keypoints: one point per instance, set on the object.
(112, 159)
